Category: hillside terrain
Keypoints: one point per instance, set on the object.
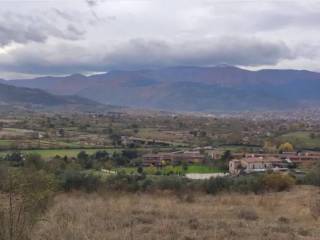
(220, 88)
(28, 98)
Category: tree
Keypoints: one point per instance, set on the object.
(82, 155)
(84, 160)
(130, 154)
(286, 147)
(226, 156)
(116, 139)
(140, 170)
(185, 166)
(223, 163)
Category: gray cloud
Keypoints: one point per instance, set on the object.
(98, 35)
(15, 28)
(140, 53)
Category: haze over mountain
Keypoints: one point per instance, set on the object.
(220, 88)
(31, 99)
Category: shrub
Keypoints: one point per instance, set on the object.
(76, 180)
(171, 183)
(248, 214)
(215, 185)
(313, 177)
(34, 160)
(146, 184)
(248, 184)
(124, 182)
(277, 182)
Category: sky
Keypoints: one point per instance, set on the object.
(60, 37)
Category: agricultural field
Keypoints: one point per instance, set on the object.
(164, 135)
(50, 153)
(301, 139)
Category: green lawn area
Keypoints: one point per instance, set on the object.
(61, 152)
(171, 169)
(301, 140)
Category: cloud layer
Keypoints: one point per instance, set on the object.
(100, 35)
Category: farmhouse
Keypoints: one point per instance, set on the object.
(298, 158)
(256, 164)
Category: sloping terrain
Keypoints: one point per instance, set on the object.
(34, 98)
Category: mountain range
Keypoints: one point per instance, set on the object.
(220, 88)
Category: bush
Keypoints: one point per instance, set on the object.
(277, 182)
(34, 160)
(171, 183)
(248, 214)
(76, 180)
(215, 185)
(124, 182)
(248, 184)
(313, 177)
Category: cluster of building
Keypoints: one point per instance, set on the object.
(174, 158)
(241, 163)
(261, 162)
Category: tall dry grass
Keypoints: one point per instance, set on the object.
(79, 216)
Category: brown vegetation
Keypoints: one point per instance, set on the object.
(286, 215)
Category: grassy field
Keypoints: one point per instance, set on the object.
(301, 140)
(285, 216)
(171, 170)
(61, 152)
(237, 148)
(5, 143)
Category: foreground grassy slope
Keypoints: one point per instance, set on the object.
(284, 216)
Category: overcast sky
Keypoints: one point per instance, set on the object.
(39, 37)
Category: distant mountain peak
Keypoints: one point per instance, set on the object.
(79, 75)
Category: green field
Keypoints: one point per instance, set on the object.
(61, 152)
(171, 170)
(5, 143)
(237, 148)
(301, 140)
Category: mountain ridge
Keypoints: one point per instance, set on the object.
(184, 88)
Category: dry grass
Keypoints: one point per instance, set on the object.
(282, 216)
